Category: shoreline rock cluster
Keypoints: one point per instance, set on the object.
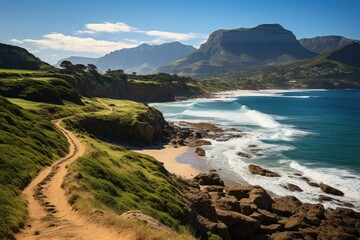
(248, 212)
(193, 134)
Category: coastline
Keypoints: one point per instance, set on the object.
(168, 156)
(292, 176)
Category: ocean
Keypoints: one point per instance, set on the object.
(315, 133)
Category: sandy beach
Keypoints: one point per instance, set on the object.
(168, 156)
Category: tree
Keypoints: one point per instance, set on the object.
(79, 67)
(66, 65)
(134, 73)
(92, 68)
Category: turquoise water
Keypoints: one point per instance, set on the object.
(314, 133)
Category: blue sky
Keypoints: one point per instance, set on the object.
(56, 29)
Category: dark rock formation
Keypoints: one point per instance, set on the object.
(254, 169)
(293, 187)
(242, 154)
(200, 151)
(209, 179)
(286, 206)
(248, 212)
(330, 190)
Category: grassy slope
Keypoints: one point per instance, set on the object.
(40, 89)
(112, 178)
(28, 143)
(135, 181)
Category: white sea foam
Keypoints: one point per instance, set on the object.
(338, 178)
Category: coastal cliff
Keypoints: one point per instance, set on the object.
(130, 123)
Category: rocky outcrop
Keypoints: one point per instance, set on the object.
(286, 206)
(293, 187)
(209, 179)
(254, 169)
(330, 190)
(200, 151)
(248, 212)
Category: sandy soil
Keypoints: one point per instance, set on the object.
(168, 156)
(50, 216)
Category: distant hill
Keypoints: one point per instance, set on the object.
(337, 69)
(350, 55)
(227, 50)
(142, 59)
(13, 57)
(325, 43)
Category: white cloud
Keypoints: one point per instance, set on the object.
(16, 41)
(173, 35)
(107, 27)
(59, 41)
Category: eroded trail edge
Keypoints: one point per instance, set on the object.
(50, 216)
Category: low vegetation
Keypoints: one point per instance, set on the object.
(27, 144)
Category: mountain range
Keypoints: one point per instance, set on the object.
(325, 43)
(142, 59)
(227, 50)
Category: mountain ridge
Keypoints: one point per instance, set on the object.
(14, 57)
(322, 44)
(241, 47)
(142, 59)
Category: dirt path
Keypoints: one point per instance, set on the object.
(111, 109)
(50, 215)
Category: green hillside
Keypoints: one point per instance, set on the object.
(28, 143)
(14, 57)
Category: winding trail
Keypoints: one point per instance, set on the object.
(50, 216)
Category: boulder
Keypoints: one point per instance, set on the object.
(198, 142)
(239, 225)
(260, 198)
(310, 232)
(202, 225)
(293, 187)
(270, 229)
(242, 154)
(265, 217)
(200, 151)
(286, 206)
(209, 179)
(313, 184)
(136, 215)
(254, 169)
(287, 236)
(229, 202)
(201, 204)
(330, 190)
(239, 191)
(214, 188)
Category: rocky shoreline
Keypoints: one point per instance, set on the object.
(248, 212)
